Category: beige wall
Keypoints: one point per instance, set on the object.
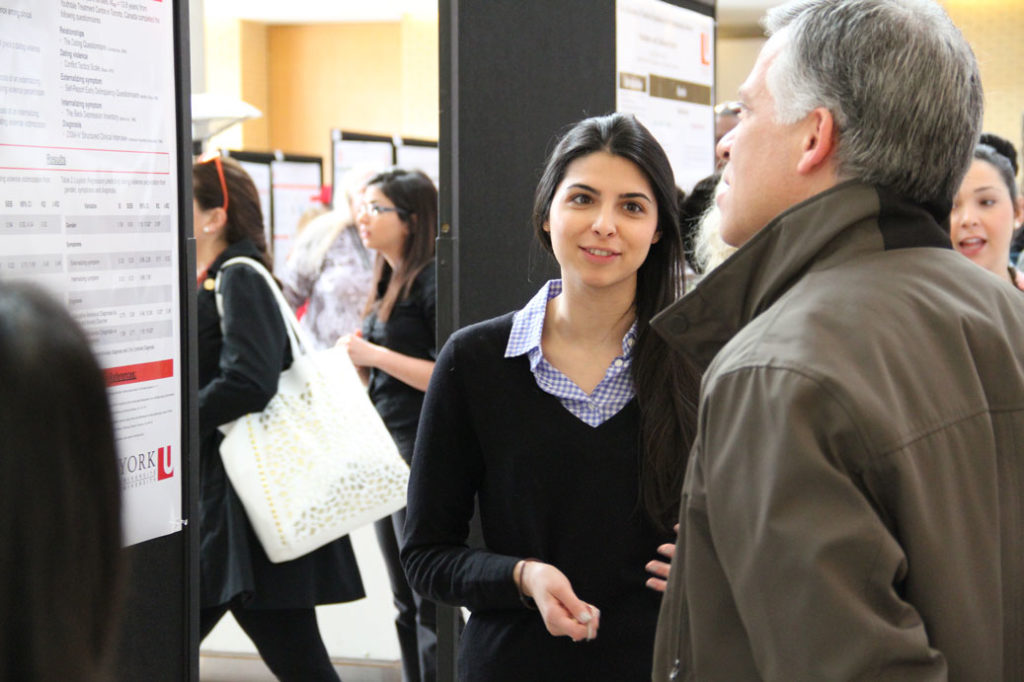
(254, 86)
(995, 29)
(735, 59)
(377, 78)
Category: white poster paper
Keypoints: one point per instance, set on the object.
(260, 174)
(295, 188)
(418, 157)
(665, 76)
(88, 209)
(362, 154)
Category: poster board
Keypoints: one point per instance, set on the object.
(257, 165)
(358, 150)
(89, 198)
(294, 185)
(665, 75)
(95, 206)
(419, 155)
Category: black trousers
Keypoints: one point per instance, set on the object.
(288, 640)
(416, 621)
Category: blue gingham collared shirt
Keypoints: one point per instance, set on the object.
(610, 396)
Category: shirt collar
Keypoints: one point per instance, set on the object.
(528, 327)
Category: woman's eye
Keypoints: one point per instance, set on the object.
(633, 207)
(988, 202)
(580, 199)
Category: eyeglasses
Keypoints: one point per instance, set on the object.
(728, 108)
(377, 209)
(215, 157)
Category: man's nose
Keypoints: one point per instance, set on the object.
(724, 146)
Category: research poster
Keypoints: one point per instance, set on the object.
(260, 174)
(665, 75)
(88, 209)
(295, 186)
(420, 157)
(368, 155)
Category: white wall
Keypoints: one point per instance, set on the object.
(735, 58)
(361, 629)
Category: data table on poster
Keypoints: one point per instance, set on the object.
(88, 210)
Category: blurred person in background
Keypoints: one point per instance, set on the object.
(988, 208)
(394, 353)
(61, 571)
(329, 269)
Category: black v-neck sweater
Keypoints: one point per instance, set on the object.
(550, 487)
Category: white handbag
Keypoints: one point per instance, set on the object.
(317, 462)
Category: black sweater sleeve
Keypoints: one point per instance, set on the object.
(446, 471)
(252, 353)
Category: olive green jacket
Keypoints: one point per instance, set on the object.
(854, 502)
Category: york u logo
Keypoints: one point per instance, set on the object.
(164, 467)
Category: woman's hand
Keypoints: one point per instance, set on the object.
(662, 568)
(361, 352)
(563, 612)
(407, 369)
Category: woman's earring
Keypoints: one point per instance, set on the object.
(206, 229)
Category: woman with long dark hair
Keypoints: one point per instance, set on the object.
(61, 567)
(395, 353)
(563, 421)
(241, 356)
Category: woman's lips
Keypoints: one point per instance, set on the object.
(971, 246)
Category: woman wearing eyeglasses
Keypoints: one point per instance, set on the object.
(240, 359)
(395, 352)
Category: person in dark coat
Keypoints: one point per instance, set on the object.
(240, 359)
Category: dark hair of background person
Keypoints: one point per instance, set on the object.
(666, 385)
(1002, 155)
(245, 217)
(691, 209)
(61, 567)
(414, 194)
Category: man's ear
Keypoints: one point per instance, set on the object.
(820, 141)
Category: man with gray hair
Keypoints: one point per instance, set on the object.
(853, 505)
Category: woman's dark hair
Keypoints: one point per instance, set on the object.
(1002, 155)
(413, 193)
(60, 566)
(666, 384)
(245, 217)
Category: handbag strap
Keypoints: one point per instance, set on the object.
(300, 342)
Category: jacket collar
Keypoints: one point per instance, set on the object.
(243, 247)
(831, 227)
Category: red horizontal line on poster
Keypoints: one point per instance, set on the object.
(133, 374)
(84, 170)
(83, 149)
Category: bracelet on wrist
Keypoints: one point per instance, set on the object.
(528, 602)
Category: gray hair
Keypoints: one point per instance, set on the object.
(900, 81)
